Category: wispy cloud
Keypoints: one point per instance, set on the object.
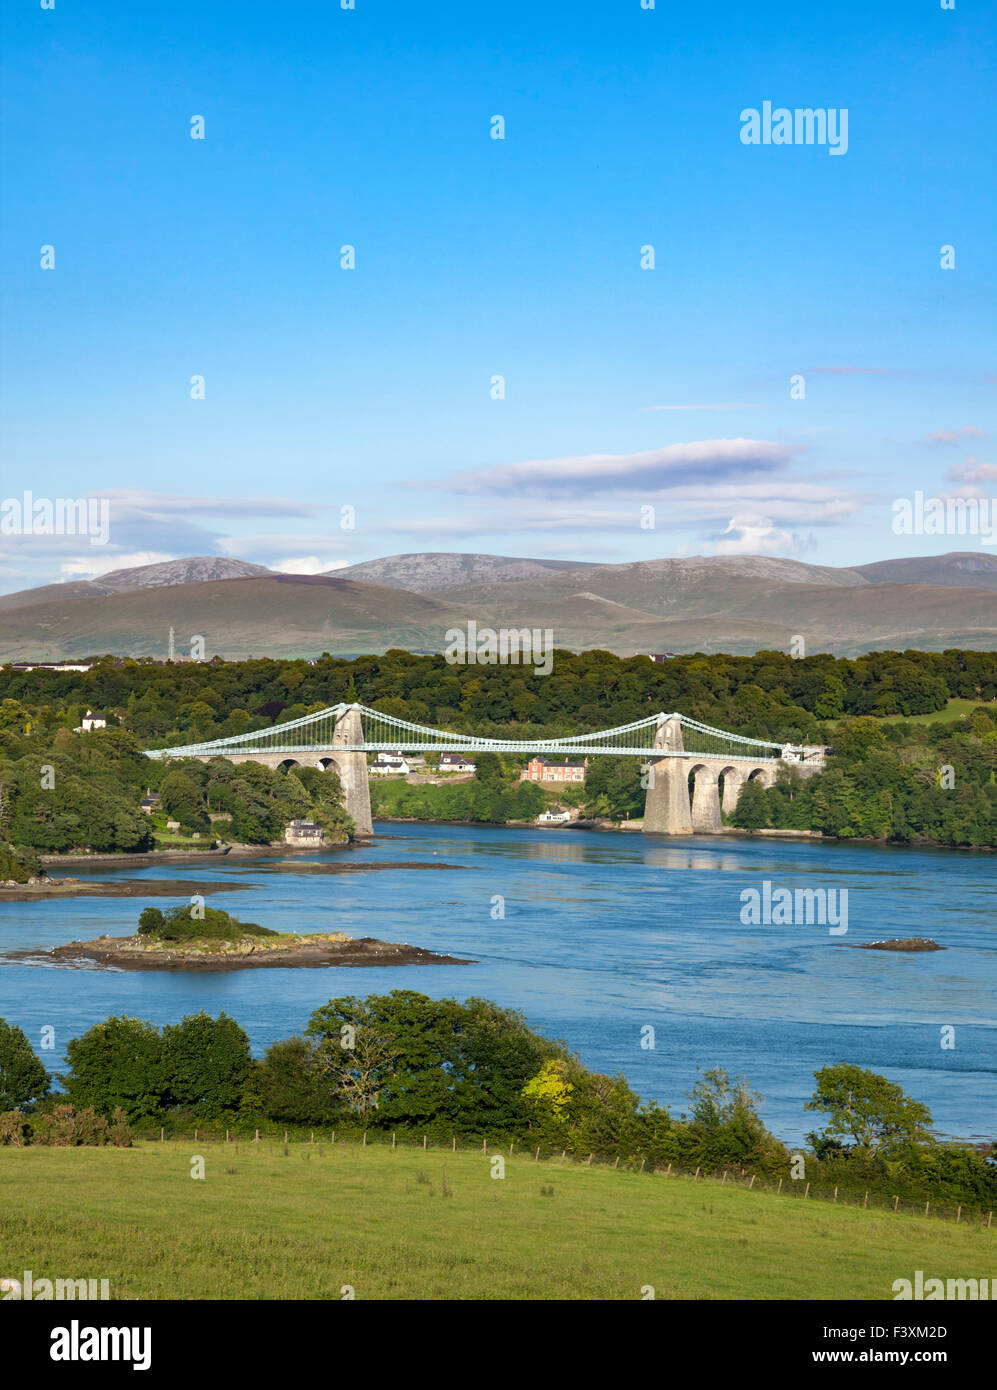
(700, 461)
(975, 477)
(852, 371)
(954, 436)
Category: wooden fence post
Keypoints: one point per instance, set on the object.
(423, 1141)
(668, 1171)
(696, 1173)
(642, 1162)
(751, 1183)
(617, 1163)
(162, 1133)
(257, 1139)
(454, 1144)
(865, 1200)
(835, 1197)
(724, 1178)
(896, 1202)
(926, 1205)
(958, 1214)
(807, 1193)
(392, 1138)
(780, 1185)
(365, 1139)
(536, 1156)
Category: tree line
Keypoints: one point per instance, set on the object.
(402, 1062)
(768, 695)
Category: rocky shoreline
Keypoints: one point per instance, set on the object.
(313, 951)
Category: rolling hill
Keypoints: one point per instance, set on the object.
(722, 603)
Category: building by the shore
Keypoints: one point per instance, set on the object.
(553, 770)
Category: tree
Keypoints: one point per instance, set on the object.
(150, 921)
(358, 1064)
(23, 1079)
(868, 1109)
(725, 1126)
(181, 798)
(752, 809)
(117, 1062)
(206, 1062)
(292, 1086)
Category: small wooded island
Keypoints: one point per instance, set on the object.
(195, 937)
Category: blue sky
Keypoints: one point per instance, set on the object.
(371, 388)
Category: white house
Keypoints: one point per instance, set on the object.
(388, 764)
(553, 817)
(456, 762)
(92, 720)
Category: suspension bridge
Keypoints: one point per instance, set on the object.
(693, 771)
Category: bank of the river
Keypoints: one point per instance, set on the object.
(109, 888)
(231, 850)
(602, 823)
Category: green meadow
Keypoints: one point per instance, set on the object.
(308, 1220)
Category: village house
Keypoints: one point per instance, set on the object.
(149, 803)
(456, 762)
(553, 770)
(394, 762)
(93, 719)
(304, 832)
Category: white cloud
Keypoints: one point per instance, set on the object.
(755, 535)
(89, 567)
(308, 564)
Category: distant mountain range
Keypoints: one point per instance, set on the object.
(736, 604)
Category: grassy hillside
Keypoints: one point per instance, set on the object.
(265, 1223)
(732, 604)
(954, 709)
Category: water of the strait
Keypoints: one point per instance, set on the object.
(602, 934)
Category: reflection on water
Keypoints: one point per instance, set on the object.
(602, 934)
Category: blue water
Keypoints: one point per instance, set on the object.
(602, 935)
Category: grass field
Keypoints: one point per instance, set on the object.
(265, 1224)
(954, 709)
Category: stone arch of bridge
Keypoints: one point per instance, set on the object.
(730, 779)
(703, 779)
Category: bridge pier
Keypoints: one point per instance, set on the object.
(353, 769)
(733, 782)
(666, 806)
(706, 817)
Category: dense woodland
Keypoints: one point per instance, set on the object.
(896, 780)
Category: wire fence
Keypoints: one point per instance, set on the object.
(793, 1189)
